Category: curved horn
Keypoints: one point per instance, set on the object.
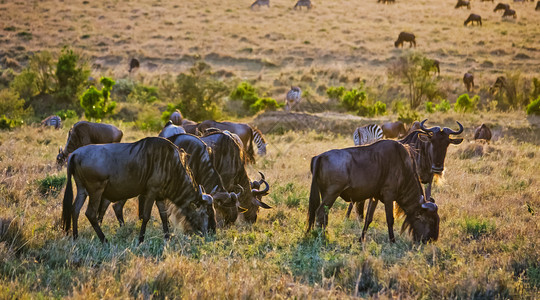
(201, 190)
(263, 192)
(236, 196)
(450, 131)
(214, 190)
(429, 206)
(261, 204)
(262, 177)
(432, 129)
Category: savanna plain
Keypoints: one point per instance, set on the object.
(488, 199)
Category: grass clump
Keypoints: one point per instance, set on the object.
(476, 228)
(465, 104)
(51, 184)
(534, 107)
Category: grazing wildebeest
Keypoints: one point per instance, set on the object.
(84, 133)
(170, 129)
(509, 13)
(176, 118)
(229, 162)
(461, 3)
(133, 64)
(430, 146)
(473, 18)
(152, 167)
(52, 121)
(260, 3)
(499, 84)
(468, 80)
(394, 130)
(244, 131)
(501, 6)
(367, 134)
(537, 5)
(384, 170)
(405, 37)
(293, 97)
(300, 3)
(482, 132)
(191, 126)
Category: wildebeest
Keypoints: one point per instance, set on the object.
(468, 80)
(429, 149)
(499, 84)
(133, 64)
(482, 132)
(52, 121)
(461, 3)
(244, 131)
(300, 3)
(501, 6)
(152, 167)
(191, 126)
(405, 37)
(260, 3)
(230, 164)
(393, 130)
(176, 118)
(170, 129)
(84, 133)
(384, 170)
(509, 13)
(473, 18)
(293, 97)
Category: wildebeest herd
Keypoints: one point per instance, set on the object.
(203, 175)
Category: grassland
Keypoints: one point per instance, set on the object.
(488, 245)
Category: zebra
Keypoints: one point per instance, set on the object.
(300, 3)
(293, 97)
(367, 134)
(258, 139)
(53, 121)
(363, 136)
(260, 3)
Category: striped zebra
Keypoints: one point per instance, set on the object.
(258, 139)
(52, 121)
(300, 3)
(367, 134)
(293, 97)
(260, 3)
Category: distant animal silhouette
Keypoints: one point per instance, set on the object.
(468, 80)
(461, 3)
(482, 133)
(499, 84)
(386, 1)
(501, 6)
(487, 0)
(405, 37)
(537, 5)
(510, 13)
(52, 121)
(260, 3)
(473, 18)
(433, 64)
(133, 64)
(300, 3)
(293, 97)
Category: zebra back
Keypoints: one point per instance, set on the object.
(367, 134)
(258, 139)
(52, 121)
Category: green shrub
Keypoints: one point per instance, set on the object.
(96, 103)
(143, 94)
(335, 93)
(65, 114)
(51, 185)
(444, 106)
(71, 74)
(264, 104)
(123, 88)
(429, 107)
(24, 84)
(246, 93)
(12, 111)
(466, 104)
(42, 65)
(352, 100)
(534, 107)
(148, 119)
(379, 108)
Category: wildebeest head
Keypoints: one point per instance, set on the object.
(225, 203)
(256, 190)
(424, 225)
(199, 216)
(61, 158)
(439, 141)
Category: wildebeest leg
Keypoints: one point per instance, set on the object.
(360, 208)
(322, 212)
(119, 211)
(146, 213)
(389, 209)
(349, 210)
(93, 209)
(103, 209)
(163, 215)
(369, 216)
(79, 201)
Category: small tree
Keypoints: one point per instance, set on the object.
(42, 65)
(95, 102)
(466, 104)
(12, 111)
(25, 84)
(71, 75)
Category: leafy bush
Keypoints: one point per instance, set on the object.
(71, 75)
(466, 104)
(148, 119)
(534, 107)
(24, 84)
(42, 65)
(264, 104)
(12, 109)
(444, 106)
(65, 114)
(51, 185)
(335, 93)
(143, 94)
(96, 102)
(379, 108)
(353, 99)
(123, 88)
(429, 107)
(246, 93)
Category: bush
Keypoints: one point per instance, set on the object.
(24, 84)
(534, 107)
(96, 103)
(71, 75)
(123, 88)
(65, 114)
(12, 109)
(246, 93)
(466, 104)
(335, 93)
(353, 99)
(444, 106)
(264, 104)
(148, 119)
(143, 94)
(379, 108)
(429, 107)
(42, 65)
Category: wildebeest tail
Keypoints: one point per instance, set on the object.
(314, 195)
(67, 204)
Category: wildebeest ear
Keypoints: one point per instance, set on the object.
(201, 190)
(208, 200)
(424, 137)
(214, 190)
(60, 150)
(456, 141)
